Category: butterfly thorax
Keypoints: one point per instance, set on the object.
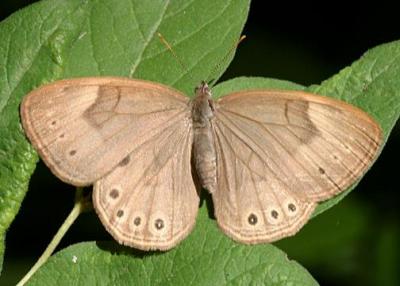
(203, 143)
(202, 106)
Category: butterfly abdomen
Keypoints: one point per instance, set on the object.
(205, 159)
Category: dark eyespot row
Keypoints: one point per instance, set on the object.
(252, 219)
(159, 224)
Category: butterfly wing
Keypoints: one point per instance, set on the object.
(150, 201)
(83, 128)
(281, 152)
(133, 139)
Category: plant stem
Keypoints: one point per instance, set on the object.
(81, 204)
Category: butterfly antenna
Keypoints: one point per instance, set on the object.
(169, 47)
(217, 67)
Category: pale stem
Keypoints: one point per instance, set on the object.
(81, 204)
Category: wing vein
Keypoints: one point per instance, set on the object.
(271, 159)
(141, 179)
(223, 157)
(293, 157)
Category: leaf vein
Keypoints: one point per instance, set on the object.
(147, 41)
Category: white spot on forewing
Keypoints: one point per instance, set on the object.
(74, 259)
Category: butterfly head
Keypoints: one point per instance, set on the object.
(203, 90)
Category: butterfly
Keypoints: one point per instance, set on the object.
(266, 156)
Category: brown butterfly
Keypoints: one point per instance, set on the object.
(267, 156)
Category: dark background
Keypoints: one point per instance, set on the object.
(355, 243)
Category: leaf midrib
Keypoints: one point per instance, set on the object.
(147, 41)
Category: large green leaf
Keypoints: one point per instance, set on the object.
(57, 39)
(205, 258)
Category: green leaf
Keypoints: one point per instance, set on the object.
(371, 83)
(205, 258)
(57, 39)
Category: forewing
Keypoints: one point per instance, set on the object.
(82, 128)
(150, 201)
(281, 152)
